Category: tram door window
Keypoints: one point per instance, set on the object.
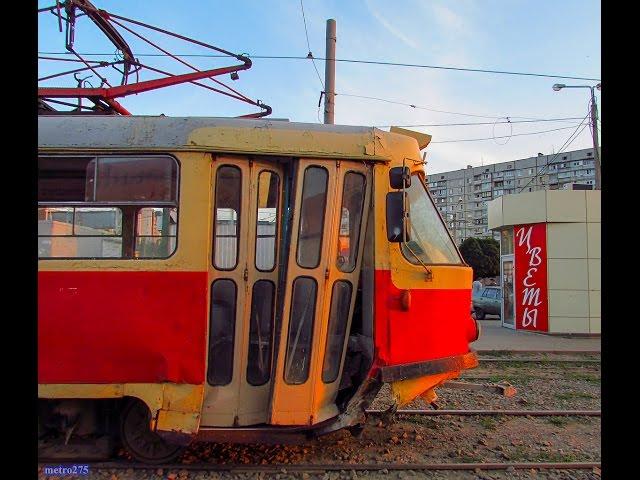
(322, 276)
(243, 275)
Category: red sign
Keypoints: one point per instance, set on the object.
(530, 245)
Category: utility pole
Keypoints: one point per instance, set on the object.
(594, 132)
(594, 125)
(330, 72)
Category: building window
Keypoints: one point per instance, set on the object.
(107, 206)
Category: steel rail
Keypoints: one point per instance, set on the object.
(286, 468)
(536, 360)
(511, 413)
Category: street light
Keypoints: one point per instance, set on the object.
(594, 124)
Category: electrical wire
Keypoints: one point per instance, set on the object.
(563, 119)
(395, 102)
(310, 55)
(504, 136)
(367, 62)
(422, 107)
(575, 134)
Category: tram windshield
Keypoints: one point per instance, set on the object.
(429, 239)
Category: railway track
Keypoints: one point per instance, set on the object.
(336, 467)
(363, 467)
(538, 360)
(511, 413)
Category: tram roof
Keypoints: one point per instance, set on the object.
(218, 134)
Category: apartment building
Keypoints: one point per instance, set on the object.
(462, 195)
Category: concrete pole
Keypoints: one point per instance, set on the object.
(594, 132)
(330, 73)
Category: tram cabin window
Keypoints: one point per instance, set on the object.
(430, 242)
(107, 206)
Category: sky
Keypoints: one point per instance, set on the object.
(534, 36)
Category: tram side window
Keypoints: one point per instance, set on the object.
(227, 217)
(156, 230)
(98, 206)
(351, 217)
(301, 318)
(338, 319)
(222, 332)
(267, 220)
(260, 330)
(78, 232)
(314, 199)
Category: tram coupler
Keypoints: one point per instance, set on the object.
(501, 388)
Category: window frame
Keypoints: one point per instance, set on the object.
(462, 263)
(215, 217)
(324, 216)
(119, 204)
(136, 235)
(278, 215)
(362, 215)
(210, 366)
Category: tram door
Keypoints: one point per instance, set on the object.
(321, 284)
(243, 278)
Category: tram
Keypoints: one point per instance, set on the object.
(239, 280)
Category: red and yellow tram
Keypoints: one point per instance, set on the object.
(229, 279)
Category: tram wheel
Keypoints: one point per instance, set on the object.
(139, 440)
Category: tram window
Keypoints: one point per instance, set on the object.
(79, 232)
(221, 332)
(132, 179)
(107, 179)
(84, 227)
(349, 235)
(299, 339)
(227, 217)
(338, 319)
(259, 357)
(430, 240)
(63, 179)
(314, 199)
(267, 220)
(156, 229)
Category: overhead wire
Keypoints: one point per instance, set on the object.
(504, 136)
(310, 55)
(466, 124)
(575, 134)
(370, 62)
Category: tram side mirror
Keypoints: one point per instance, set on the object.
(397, 218)
(399, 177)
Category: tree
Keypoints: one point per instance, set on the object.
(483, 255)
